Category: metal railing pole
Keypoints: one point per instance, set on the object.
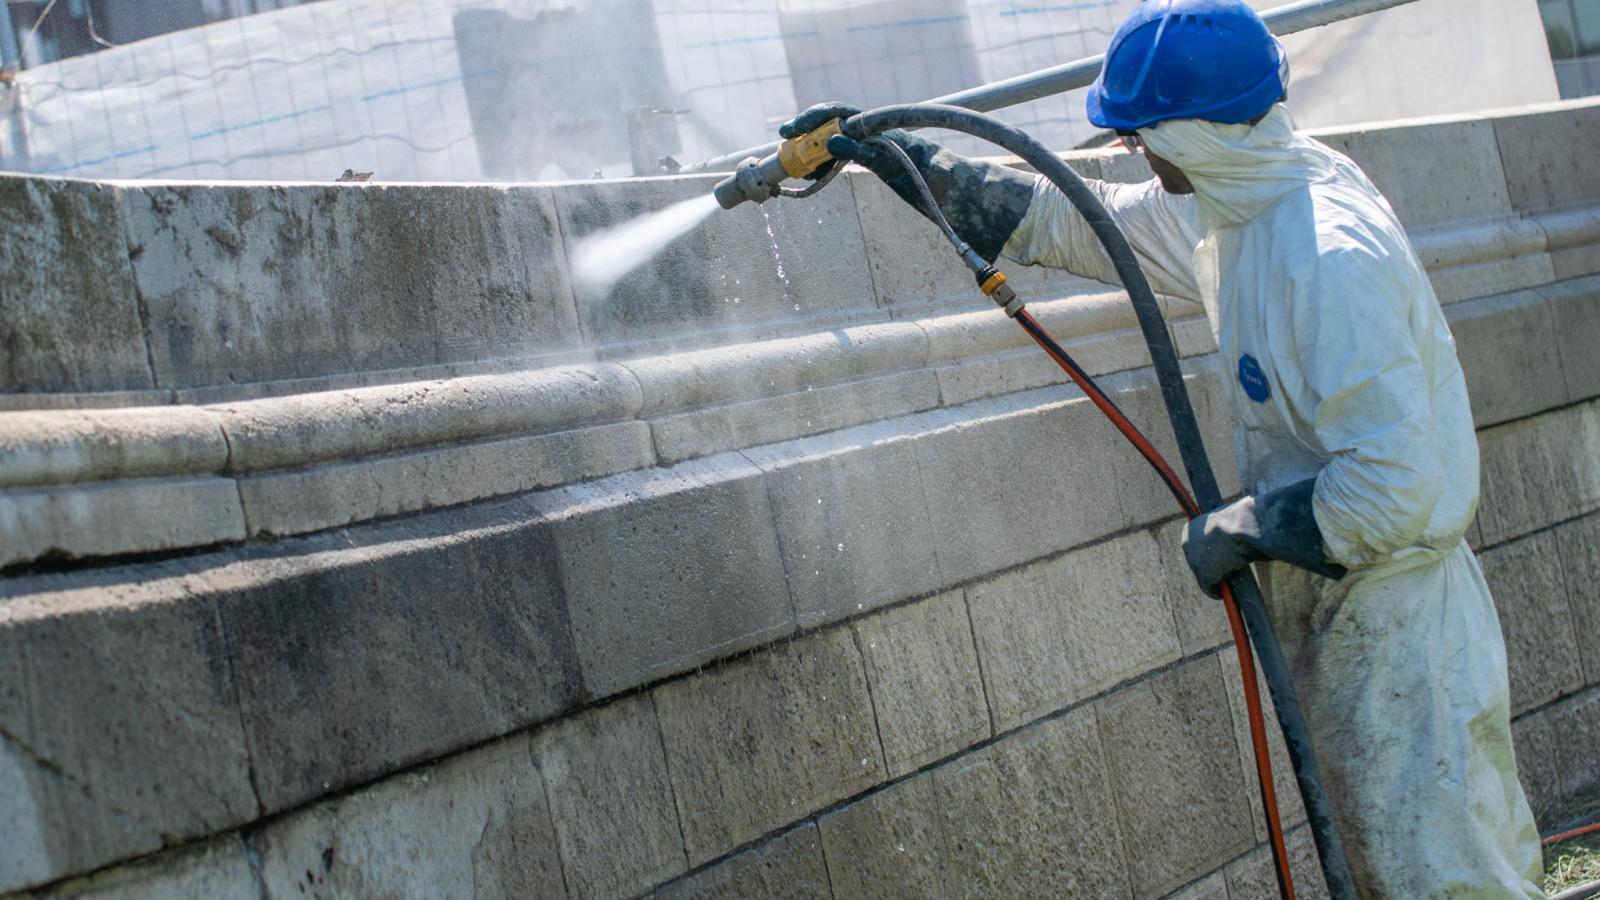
(10, 50)
(1283, 20)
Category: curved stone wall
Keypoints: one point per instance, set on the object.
(348, 551)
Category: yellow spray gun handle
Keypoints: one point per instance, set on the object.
(803, 155)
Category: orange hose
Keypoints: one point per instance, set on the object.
(1241, 641)
(1580, 831)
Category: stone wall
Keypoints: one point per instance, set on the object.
(349, 552)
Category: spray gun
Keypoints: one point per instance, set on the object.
(760, 180)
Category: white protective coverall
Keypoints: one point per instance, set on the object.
(1341, 367)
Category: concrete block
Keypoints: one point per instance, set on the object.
(770, 368)
(611, 800)
(1504, 343)
(1538, 471)
(1253, 876)
(119, 517)
(1291, 809)
(777, 268)
(1537, 151)
(1578, 546)
(254, 282)
(476, 825)
(119, 721)
(788, 867)
(768, 739)
(1526, 579)
(1002, 491)
(301, 429)
(1490, 277)
(61, 446)
(1575, 306)
(914, 267)
(1575, 722)
(1538, 766)
(297, 501)
(1030, 816)
(69, 317)
(852, 520)
(926, 688)
(1182, 789)
(216, 870)
(667, 569)
(1574, 240)
(812, 410)
(1064, 629)
(416, 637)
(1201, 621)
(1211, 887)
(1404, 161)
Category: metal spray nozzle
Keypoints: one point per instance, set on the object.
(759, 180)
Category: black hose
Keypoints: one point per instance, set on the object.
(1180, 412)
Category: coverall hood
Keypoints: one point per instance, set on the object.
(1240, 171)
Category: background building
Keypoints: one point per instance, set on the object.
(537, 89)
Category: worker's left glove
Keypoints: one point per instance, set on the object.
(1276, 525)
(984, 202)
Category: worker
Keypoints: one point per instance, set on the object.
(1358, 453)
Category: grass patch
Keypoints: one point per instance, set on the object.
(1571, 863)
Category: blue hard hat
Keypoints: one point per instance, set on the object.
(1188, 59)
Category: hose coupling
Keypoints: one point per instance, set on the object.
(993, 284)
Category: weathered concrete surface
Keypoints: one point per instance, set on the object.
(1505, 345)
(339, 425)
(119, 724)
(100, 445)
(297, 501)
(1535, 150)
(812, 410)
(1061, 630)
(667, 569)
(778, 268)
(788, 867)
(1030, 816)
(252, 283)
(1539, 471)
(1576, 308)
(134, 516)
(414, 637)
(1174, 770)
(762, 741)
(1578, 546)
(69, 318)
(611, 799)
(852, 520)
(1526, 579)
(923, 671)
(218, 870)
(474, 826)
(1254, 877)
(1556, 759)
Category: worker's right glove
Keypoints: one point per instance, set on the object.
(984, 202)
(1276, 525)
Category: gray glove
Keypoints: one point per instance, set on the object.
(1276, 525)
(983, 202)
